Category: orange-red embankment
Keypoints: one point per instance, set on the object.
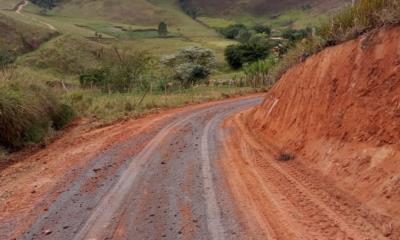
(339, 113)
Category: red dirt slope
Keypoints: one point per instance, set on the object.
(339, 113)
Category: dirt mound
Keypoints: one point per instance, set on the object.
(339, 113)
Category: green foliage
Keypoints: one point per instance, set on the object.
(64, 114)
(93, 78)
(27, 112)
(188, 8)
(257, 72)
(260, 28)
(49, 4)
(232, 31)
(255, 49)
(244, 36)
(364, 15)
(347, 24)
(190, 65)
(122, 74)
(6, 58)
(190, 74)
(294, 35)
(162, 29)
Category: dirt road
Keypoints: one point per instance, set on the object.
(180, 175)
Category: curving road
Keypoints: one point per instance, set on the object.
(172, 189)
(196, 173)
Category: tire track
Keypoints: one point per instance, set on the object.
(296, 199)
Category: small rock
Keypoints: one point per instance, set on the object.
(163, 162)
(96, 170)
(33, 191)
(47, 232)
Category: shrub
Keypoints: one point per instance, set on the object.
(6, 58)
(190, 74)
(244, 36)
(190, 65)
(162, 29)
(347, 24)
(259, 28)
(232, 31)
(294, 35)
(128, 71)
(93, 78)
(254, 50)
(364, 15)
(63, 116)
(27, 112)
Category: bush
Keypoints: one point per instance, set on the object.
(127, 72)
(294, 35)
(27, 112)
(259, 28)
(63, 116)
(190, 65)
(6, 58)
(254, 50)
(232, 31)
(347, 24)
(364, 15)
(93, 78)
(162, 29)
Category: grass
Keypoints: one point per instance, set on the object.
(295, 18)
(45, 82)
(63, 56)
(28, 110)
(21, 37)
(348, 24)
(108, 108)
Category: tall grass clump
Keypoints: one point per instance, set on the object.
(348, 24)
(362, 17)
(28, 111)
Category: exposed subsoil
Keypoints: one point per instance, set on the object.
(337, 115)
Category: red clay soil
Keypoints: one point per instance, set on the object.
(338, 113)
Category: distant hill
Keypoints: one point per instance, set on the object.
(259, 7)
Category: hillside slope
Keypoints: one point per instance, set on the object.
(338, 113)
(260, 7)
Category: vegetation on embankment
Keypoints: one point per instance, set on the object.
(348, 24)
(29, 111)
(338, 113)
(296, 45)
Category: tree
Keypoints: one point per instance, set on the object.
(244, 36)
(232, 31)
(233, 56)
(128, 71)
(255, 49)
(294, 35)
(259, 28)
(190, 65)
(162, 29)
(49, 4)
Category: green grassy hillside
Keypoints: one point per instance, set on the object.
(259, 7)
